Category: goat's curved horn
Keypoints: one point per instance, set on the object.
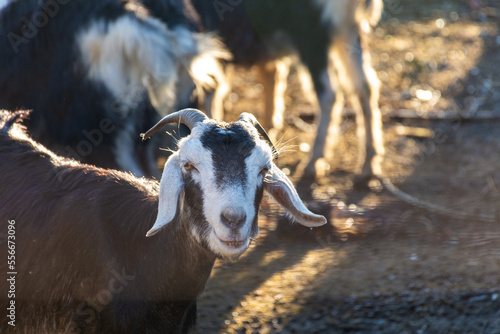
(189, 117)
(249, 118)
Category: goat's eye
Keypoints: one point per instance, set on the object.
(189, 166)
(264, 171)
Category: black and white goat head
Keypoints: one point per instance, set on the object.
(223, 168)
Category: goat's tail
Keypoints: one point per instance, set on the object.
(207, 69)
(206, 66)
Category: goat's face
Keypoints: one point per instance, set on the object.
(223, 169)
(220, 172)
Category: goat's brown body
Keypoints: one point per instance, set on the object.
(82, 259)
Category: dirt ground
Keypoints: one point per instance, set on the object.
(382, 265)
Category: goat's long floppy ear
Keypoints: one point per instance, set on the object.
(277, 184)
(170, 187)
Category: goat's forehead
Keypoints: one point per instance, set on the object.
(229, 147)
(220, 138)
(234, 138)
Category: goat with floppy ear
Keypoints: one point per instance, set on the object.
(229, 196)
(81, 231)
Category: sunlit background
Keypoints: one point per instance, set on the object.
(385, 264)
(417, 250)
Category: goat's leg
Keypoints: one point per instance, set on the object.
(267, 73)
(327, 97)
(362, 84)
(280, 86)
(274, 77)
(213, 103)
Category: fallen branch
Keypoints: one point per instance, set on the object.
(443, 115)
(435, 208)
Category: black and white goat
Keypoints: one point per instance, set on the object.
(327, 38)
(95, 72)
(82, 259)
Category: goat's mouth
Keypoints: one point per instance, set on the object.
(234, 244)
(229, 246)
(232, 241)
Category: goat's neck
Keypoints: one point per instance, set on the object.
(196, 261)
(181, 261)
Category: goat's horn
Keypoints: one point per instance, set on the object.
(189, 117)
(249, 118)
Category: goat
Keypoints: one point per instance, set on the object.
(95, 72)
(327, 38)
(83, 260)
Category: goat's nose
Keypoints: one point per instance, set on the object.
(233, 217)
